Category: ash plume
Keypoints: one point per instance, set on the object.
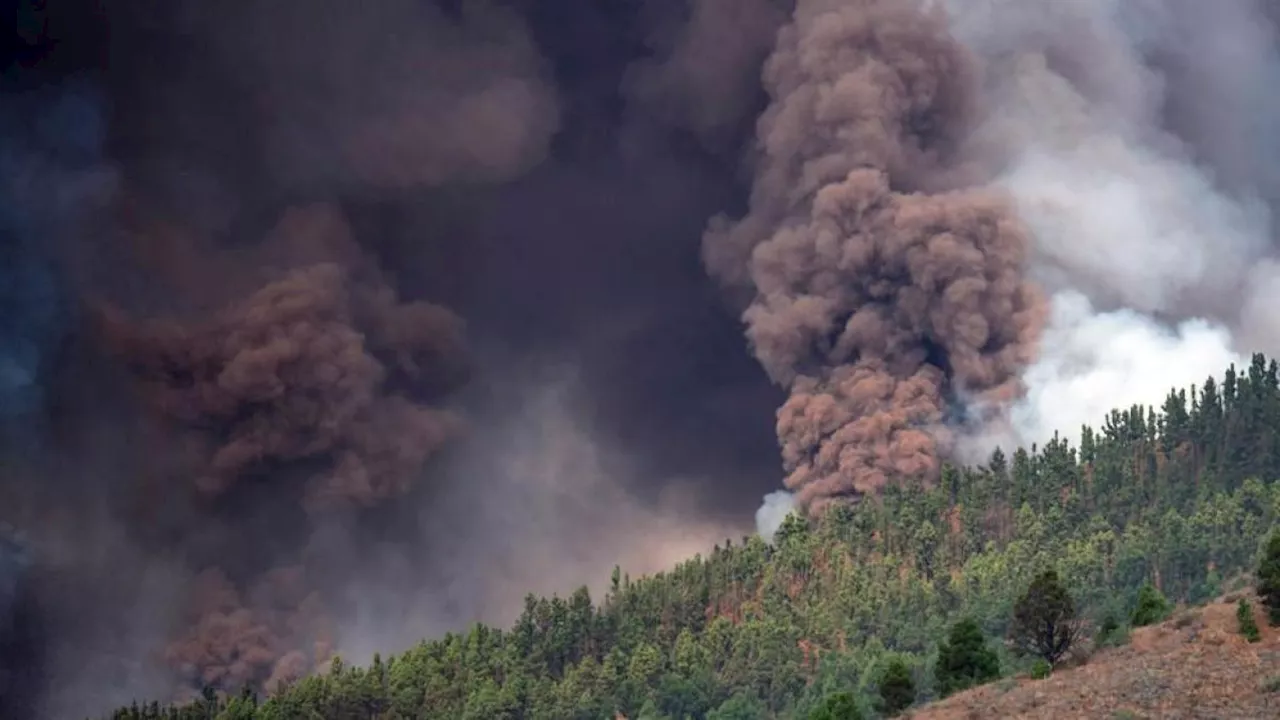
(277, 632)
(296, 229)
(704, 71)
(883, 290)
(317, 365)
(322, 383)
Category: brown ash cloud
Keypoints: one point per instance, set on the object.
(882, 288)
(264, 385)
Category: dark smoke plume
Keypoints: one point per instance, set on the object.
(881, 296)
(18, 632)
(262, 440)
(704, 73)
(320, 383)
(277, 632)
(317, 365)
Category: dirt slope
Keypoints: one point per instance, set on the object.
(1194, 666)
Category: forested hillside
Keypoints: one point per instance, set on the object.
(1180, 497)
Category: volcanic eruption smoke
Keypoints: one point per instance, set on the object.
(287, 379)
(318, 382)
(882, 295)
(1123, 160)
(323, 330)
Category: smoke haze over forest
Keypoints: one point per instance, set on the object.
(323, 330)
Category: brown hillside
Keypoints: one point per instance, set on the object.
(1194, 666)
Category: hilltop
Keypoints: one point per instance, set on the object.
(1195, 665)
(1180, 498)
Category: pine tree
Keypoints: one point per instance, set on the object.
(1269, 578)
(1044, 620)
(897, 688)
(741, 706)
(964, 660)
(840, 706)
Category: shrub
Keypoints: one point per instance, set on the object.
(1152, 607)
(964, 660)
(1248, 626)
(1041, 670)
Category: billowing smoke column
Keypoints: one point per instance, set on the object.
(882, 296)
(321, 382)
(320, 364)
(291, 391)
(1132, 139)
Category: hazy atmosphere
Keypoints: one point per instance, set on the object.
(324, 330)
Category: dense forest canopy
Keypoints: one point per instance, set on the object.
(1180, 497)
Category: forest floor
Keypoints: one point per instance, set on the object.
(1195, 665)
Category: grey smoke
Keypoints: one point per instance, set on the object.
(561, 494)
(1132, 136)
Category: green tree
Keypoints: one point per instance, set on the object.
(964, 660)
(1151, 608)
(840, 706)
(1045, 624)
(742, 706)
(650, 711)
(1269, 578)
(243, 707)
(897, 687)
(1244, 618)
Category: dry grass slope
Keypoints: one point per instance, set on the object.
(1195, 665)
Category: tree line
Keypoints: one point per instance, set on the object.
(874, 607)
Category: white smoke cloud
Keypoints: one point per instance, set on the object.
(1157, 271)
(1093, 362)
(773, 511)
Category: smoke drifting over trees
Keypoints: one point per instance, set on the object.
(1135, 141)
(317, 322)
